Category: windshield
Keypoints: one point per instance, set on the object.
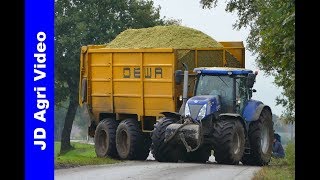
(223, 87)
(214, 85)
(217, 85)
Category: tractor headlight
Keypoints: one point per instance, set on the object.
(238, 100)
(187, 110)
(202, 112)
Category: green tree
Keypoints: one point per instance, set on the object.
(272, 38)
(83, 22)
(59, 116)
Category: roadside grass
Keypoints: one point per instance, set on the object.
(280, 168)
(82, 154)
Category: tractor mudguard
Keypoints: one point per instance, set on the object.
(259, 110)
(224, 115)
(253, 110)
(235, 116)
(173, 115)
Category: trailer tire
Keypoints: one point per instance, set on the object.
(229, 140)
(162, 151)
(131, 143)
(105, 138)
(260, 139)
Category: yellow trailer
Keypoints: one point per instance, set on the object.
(125, 90)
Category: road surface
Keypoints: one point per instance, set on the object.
(150, 169)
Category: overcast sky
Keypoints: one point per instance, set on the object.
(218, 24)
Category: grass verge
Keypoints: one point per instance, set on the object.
(280, 168)
(82, 154)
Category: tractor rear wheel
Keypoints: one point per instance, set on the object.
(105, 138)
(131, 143)
(260, 139)
(162, 151)
(229, 140)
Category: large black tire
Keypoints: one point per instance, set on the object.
(131, 143)
(105, 138)
(201, 155)
(163, 152)
(229, 140)
(260, 139)
(146, 143)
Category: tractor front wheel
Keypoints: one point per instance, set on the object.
(201, 155)
(162, 151)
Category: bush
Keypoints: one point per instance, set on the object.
(290, 156)
(280, 168)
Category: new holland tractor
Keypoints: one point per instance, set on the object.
(221, 116)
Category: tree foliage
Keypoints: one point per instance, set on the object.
(84, 22)
(272, 38)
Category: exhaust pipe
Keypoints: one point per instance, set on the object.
(185, 89)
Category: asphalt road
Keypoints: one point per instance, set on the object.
(150, 169)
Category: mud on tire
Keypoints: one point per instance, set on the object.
(105, 138)
(260, 139)
(131, 143)
(162, 151)
(229, 140)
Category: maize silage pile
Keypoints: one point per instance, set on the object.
(177, 37)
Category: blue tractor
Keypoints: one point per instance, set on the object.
(221, 116)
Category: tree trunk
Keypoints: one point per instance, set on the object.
(65, 137)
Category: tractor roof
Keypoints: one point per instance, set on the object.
(222, 71)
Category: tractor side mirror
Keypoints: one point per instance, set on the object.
(178, 76)
(251, 80)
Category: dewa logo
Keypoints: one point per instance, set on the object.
(148, 72)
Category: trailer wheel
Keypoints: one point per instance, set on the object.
(131, 143)
(201, 155)
(162, 151)
(260, 139)
(105, 138)
(228, 141)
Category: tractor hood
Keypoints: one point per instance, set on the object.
(198, 107)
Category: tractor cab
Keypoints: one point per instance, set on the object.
(220, 90)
